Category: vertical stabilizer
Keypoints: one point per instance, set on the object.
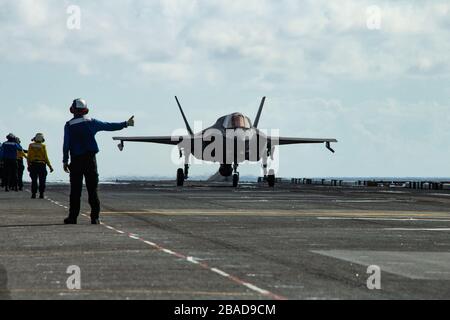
(188, 127)
(255, 124)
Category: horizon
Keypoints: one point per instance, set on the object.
(254, 178)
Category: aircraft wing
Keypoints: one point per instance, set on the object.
(172, 140)
(290, 140)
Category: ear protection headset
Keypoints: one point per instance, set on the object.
(79, 107)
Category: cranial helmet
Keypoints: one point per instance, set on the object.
(39, 137)
(10, 137)
(79, 106)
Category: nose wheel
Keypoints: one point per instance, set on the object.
(270, 176)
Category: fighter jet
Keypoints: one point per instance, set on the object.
(232, 140)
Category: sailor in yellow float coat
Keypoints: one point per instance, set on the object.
(37, 165)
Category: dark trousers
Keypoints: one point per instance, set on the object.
(38, 171)
(84, 166)
(20, 170)
(10, 167)
(2, 174)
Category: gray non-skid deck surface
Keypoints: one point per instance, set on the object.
(294, 242)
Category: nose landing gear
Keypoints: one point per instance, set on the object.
(270, 178)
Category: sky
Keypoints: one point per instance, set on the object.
(372, 74)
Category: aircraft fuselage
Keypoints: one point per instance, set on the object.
(227, 146)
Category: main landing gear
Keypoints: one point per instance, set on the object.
(235, 176)
(182, 175)
(271, 178)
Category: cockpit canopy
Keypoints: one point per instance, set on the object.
(236, 120)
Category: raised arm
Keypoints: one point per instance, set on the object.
(107, 126)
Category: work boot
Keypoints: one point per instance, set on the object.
(95, 221)
(41, 195)
(33, 196)
(70, 220)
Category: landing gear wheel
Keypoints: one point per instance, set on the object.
(180, 177)
(235, 180)
(271, 178)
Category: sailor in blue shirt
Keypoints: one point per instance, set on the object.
(2, 179)
(80, 146)
(10, 149)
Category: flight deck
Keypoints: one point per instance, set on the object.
(212, 241)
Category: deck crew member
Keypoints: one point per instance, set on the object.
(10, 149)
(37, 165)
(2, 178)
(81, 146)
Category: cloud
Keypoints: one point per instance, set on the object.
(42, 114)
(169, 37)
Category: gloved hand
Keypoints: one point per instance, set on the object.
(130, 122)
(51, 169)
(66, 167)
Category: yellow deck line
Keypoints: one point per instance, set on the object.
(287, 213)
